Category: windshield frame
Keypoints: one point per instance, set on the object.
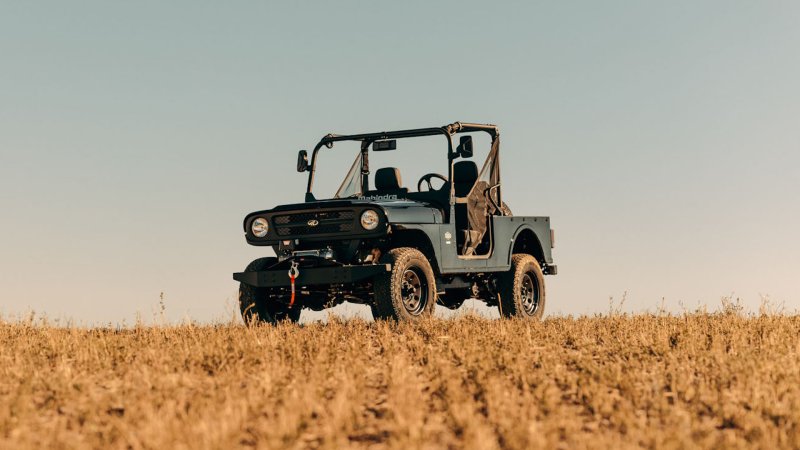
(448, 131)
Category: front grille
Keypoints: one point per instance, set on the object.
(327, 222)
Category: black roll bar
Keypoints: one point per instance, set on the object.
(367, 138)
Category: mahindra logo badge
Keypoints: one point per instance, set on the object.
(313, 222)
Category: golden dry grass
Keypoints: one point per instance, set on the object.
(698, 380)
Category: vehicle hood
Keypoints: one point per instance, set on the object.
(396, 210)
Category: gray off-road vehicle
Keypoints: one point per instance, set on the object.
(399, 251)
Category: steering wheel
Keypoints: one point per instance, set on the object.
(427, 178)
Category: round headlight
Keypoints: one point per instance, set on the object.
(369, 220)
(260, 227)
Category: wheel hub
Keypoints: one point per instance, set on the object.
(529, 295)
(413, 292)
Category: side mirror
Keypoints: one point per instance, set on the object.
(464, 148)
(302, 161)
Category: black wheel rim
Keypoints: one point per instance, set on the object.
(529, 294)
(414, 291)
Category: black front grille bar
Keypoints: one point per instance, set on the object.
(311, 223)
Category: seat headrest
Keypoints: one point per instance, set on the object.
(465, 172)
(388, 178)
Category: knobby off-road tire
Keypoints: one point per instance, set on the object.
(521, 289)
(408, 292)
(255, 304)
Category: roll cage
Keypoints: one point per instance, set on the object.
(366, 139)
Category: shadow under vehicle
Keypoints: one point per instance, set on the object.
(399, 251)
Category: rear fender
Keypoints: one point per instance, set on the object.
(527, 241)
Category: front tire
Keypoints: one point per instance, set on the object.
(521, 289)
(408, 292)
(255, 304)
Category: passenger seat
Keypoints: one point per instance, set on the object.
(388, 182)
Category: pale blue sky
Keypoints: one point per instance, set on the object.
(662, 137)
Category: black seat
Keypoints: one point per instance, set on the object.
(388, 182)
(465, 174)
(470, 216)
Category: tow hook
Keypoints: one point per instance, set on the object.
(294, 272)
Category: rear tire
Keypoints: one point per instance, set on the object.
(255, 304)
(521, 289)
(408, 292)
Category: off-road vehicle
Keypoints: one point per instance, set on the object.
(397, 250)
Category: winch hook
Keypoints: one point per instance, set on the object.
(294, 272)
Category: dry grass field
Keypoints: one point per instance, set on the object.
(656, 381)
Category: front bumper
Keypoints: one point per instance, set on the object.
(312, 276)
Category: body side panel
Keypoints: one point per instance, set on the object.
(505, 230)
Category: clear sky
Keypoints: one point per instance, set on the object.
(663, 138)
